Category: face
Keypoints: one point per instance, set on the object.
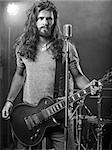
(45, 23)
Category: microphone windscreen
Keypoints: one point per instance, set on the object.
(67, 30)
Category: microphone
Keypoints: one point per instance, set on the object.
(67, 31)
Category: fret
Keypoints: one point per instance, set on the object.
(61, 104)
(54, 108)
(78, 94)
(50, 110)
(57, 107)
(72, 99)
(88, 90)
(84, 91)
(81, 93)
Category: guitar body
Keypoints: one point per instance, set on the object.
(30, 132)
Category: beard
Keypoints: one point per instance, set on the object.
(45, 32)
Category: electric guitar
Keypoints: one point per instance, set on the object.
(29, 122)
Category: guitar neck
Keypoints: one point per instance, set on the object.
(53, 109)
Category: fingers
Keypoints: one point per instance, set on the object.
(6, 110)
(94, 90)
(94, 82)
(5, 113)
(95, 87)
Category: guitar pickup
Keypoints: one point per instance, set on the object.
(29, 122)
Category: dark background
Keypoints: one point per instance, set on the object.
(92, 36)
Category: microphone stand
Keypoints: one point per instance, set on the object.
(67, 30)
(66, 92)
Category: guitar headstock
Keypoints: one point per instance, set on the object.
(107, 78)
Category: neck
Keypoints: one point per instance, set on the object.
(43, 40)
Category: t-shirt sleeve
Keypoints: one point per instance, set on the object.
(19, 60)
(73, 55)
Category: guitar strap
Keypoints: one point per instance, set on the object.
(57, 76)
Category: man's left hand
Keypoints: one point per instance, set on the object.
(95, 86)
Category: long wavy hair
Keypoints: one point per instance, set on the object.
(26, 44)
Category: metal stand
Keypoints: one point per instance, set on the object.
(99, 129)
(66, 94)
(77, 114)
(79, 117)
(99, 119)
(79, 124)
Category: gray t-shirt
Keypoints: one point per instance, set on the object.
(40, 74)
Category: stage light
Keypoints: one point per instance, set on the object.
(12, 9)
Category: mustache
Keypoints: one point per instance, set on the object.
(46, 27)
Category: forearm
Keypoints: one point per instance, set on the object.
(16, 86)
(82, 81)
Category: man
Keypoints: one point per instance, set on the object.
(38, 50)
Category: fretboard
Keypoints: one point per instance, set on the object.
(53, 109)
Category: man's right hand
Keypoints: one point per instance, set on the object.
(6, 110)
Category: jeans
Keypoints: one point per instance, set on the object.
(56, 137)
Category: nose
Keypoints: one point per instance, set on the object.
(45, 21)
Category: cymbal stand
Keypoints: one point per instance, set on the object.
(77, 114)
(99, 129)
(79, 118)
(80, 123)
